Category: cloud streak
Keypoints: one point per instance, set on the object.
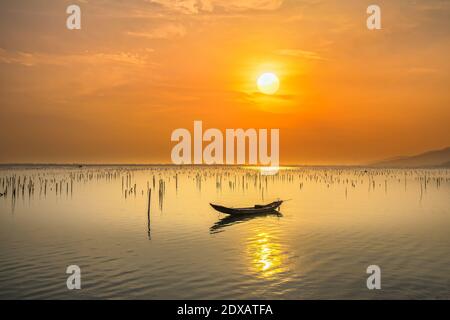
(309, 55)
(198, 6)
(166, 31)
(30, 59)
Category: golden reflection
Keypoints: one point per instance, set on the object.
(266, 256)
(266, 168)
(269, 171)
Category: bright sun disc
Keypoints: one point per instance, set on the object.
(268, 83)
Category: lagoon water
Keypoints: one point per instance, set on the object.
(337, 223)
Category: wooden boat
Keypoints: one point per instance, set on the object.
(257, 209)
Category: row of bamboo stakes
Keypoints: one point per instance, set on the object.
(63, 182)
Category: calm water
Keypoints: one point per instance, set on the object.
(338, 222)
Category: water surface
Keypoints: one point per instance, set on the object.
(338, 222)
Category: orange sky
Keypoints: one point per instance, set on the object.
(115, 90)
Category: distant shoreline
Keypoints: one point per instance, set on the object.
(439, 159)
(143, 165)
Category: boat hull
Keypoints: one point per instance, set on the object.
(258, 209)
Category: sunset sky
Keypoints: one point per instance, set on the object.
(114, 91)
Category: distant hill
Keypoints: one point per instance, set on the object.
(445, 165)
(435, 158)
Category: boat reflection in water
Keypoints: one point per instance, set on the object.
(235, 219)
(267, 257)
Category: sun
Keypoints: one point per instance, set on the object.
(268, 83)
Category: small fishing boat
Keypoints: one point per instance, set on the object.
(257, 209)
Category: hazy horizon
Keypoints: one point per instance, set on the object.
(212, 165)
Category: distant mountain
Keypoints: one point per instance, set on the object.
(445, 165)
(435, 158)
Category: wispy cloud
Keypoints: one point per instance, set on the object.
(197, 6)
(310, 55)
(30, 59)
(166, 31)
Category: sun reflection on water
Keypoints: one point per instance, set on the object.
(266, 255)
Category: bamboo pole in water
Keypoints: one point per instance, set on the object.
(148, 210)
